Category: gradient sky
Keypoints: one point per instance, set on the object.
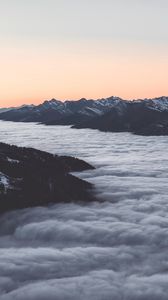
(70, 49)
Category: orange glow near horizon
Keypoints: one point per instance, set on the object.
(30, 75)
(82, 49)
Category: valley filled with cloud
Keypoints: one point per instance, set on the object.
(114, 248)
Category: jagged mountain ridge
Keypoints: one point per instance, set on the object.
(58, 112)
(144, 116)
(147, 117)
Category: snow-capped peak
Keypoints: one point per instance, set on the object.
(160, 103)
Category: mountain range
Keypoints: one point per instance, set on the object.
(144, 116)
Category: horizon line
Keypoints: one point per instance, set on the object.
(83, 98)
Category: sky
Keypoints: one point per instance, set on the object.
(69, 49)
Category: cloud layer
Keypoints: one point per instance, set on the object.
(112, 249)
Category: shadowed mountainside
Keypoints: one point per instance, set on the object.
(29, 177)
(137, 117)
(145, 117)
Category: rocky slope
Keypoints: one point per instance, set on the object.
(30, 177)
(56, 112)
(146, 117)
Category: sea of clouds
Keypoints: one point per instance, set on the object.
(115, 249)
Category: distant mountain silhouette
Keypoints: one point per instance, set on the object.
(146, 116)
(58, 112)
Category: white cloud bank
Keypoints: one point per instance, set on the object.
(117, 249)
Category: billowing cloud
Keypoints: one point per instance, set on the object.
(111, 249)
